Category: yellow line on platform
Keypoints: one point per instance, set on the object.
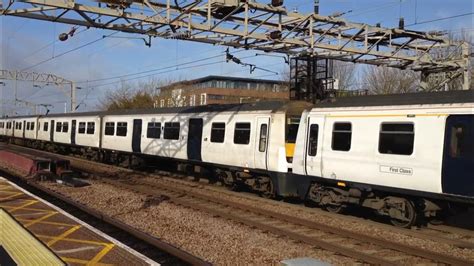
(30, 202)
(82, 241)
(52, 213)
(79, 261)
(12, 196)
(43, 222)
(101, 254)
(63, 235)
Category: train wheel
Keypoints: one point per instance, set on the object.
(410, 216)
(340, 208)
(269, 192)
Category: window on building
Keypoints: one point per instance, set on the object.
(122, 129)
(262, 144)
(171, 130)
(59, 126)
(341, 137)
(313, 140)
(153, 130)
(90, 128)
(242, 133)
(162, 103)
(203, 99)
(218, 132)
(396, 138)
(82, 128)
(45, 126)
(65, 126)
(109, 128)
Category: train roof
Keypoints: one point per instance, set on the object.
(418, 98)
(271, 107)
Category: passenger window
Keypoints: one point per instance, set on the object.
(109, 128)
(45, 126)
(313, 140)
(242, 133)
(171, 130)
(397, 138)
(90, 128)
(218, 132)
(122, 129)
(82, 128)
(58, 126)
(32, 126)
(341, 137)
(27, 125)
(65, 126)
(154, 130)
(460, 144)
(262, 144)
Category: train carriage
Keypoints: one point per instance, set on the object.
(3, 127)
(370, 155)
(259, 136)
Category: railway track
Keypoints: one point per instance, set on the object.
(338, 240)
(157, 250)
(359, 246)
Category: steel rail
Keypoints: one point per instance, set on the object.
(415, 251)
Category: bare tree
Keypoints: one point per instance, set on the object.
(344, 72)
(126, 97)
(385, 80)
(438, 81)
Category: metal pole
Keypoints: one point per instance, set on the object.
(316, 7)
(73, 96)
(467, 69)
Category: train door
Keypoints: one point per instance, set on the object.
(313, 146)
(458, 158)
(137, 136)
(261, 142)
(52, 127)
(24, 128)
(73, 132)
(195, 139)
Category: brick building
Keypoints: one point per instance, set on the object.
(220, 90)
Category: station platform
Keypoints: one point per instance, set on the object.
(35, 232)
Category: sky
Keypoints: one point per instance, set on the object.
(25, 43)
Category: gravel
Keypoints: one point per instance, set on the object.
(217, 240)
(324, 217)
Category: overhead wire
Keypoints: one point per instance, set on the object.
(70, 51)
(173, 68)
(440, 19)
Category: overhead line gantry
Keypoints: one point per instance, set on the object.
(266, 27)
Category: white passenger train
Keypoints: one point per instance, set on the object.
(405, 156)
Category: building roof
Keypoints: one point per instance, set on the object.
(225, 78)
